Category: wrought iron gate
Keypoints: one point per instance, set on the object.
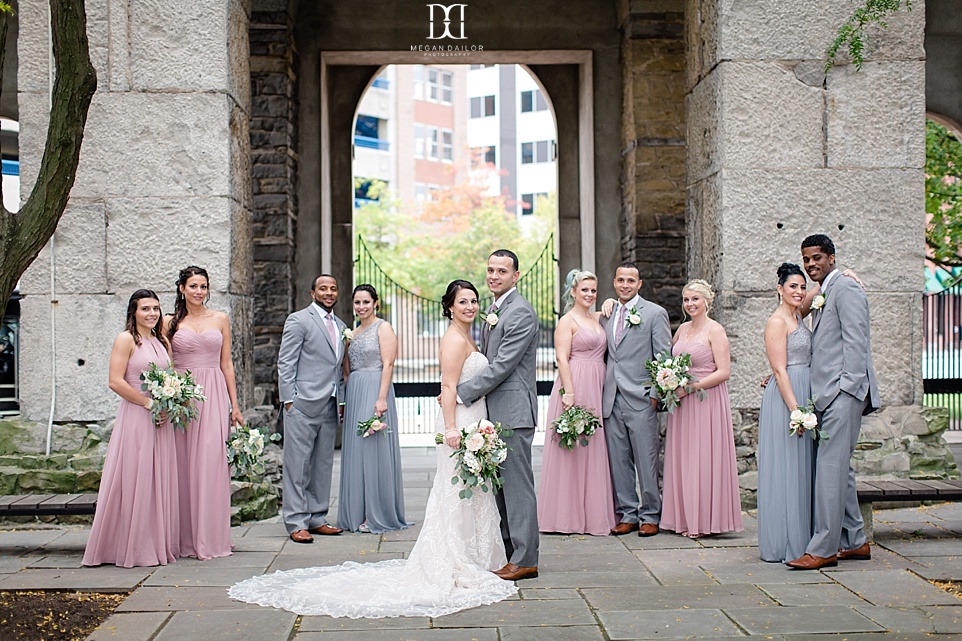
(942, 352)
(419, 326)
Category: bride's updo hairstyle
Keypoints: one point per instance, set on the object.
(703, 288)
(787, 270)
(574, 278)
(447, 301)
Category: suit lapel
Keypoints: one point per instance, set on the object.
(818, 312)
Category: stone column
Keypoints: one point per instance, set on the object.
(778, 151)
(163, 182)
(653, 146)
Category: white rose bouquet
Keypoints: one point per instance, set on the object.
(575, 425)
(668, 374)
(245, 452)
(172, 395)
(803, 419)
(372, 425)
(481, 453)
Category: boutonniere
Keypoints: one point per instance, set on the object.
(633, 317)
(491, 318)
(819, 301)
(347, 335)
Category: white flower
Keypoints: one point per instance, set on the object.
(475, 442)
(347, 335)
(683, 382)
(818, 302)
(667, 362)
(666, 379)
(810, 421)
(634, 318)
(491, 318)
(472, 463)
(796, 416)
(167, 391)
(499, 455)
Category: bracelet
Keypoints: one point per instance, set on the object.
(150, 404)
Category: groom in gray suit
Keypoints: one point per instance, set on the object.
(844, 388)
(509, 340)
(637, 330)
(310, 378)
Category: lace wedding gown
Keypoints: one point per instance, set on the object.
(449, 568)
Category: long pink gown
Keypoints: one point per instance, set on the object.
(202, 450)
(575, 495)
(701, 479)
(136, 519)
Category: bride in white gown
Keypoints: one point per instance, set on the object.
(450, 567)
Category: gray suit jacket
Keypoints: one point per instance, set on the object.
(308, 366)
(509, 380)
(842, 346)
(625, 370)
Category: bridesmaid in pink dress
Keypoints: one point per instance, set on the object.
(575, 495)
(701, 494)
(200, 341)
(136, 519)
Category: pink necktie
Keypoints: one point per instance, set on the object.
(332, 331)
(620, 327)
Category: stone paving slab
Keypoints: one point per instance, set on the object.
(551, 633)
(185, 576)
(249, 544)
(229, 625)
(939, 569)
(899, 619)
(889, 636)
(521, 613)
(236, 560)
(712, 597)
(811, 594)
(312, 623)
(546, 593)
(73, 540)
(103, 579)
(668, 569)
(479, 634)
(663, 541)
(923, 547)
(893, 588)
(609, 561)
(165, 599)
(588, 579)
(22, 541)
(676, 624)
(293, 562)
(130, 626)
(61, 560)
(945, 619)
(807, 620)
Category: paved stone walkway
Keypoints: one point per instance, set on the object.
(590, 588)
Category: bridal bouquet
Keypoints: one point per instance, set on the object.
(482, 451)
(668, 373)
(372, 425)
(172, 394)
(576, 424)
(803, 420)
(245, 452)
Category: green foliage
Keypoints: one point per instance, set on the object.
(943, 196)
(852, 34)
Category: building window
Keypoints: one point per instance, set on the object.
(482, 106)
(447, 87)
(533, 101)
(540, 151)
(447, 145)
(367, 134)
(484, 155)
(528, 202)
(527, 153)
(433, 142)
(419, 141)
(419, 82)
(420, 192)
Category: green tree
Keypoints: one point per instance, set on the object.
(943, 196)
(23, 234)
(851, 35)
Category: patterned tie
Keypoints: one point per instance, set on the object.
(332, 332)
(620, 327)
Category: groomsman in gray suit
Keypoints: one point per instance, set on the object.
(637, 330)
(310, 377)
(844, 388)
(509, 382)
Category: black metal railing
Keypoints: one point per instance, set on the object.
(942, 352)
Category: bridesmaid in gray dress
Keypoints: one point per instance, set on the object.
(371, 495)
(785, 462)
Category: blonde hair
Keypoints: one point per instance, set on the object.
(702, 287)
(574, 278)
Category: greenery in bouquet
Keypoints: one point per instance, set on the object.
(668, 375)
(481, 453)
(803, 420)
(575, 425)
(172, 395)
(372, 425)
(245, 452)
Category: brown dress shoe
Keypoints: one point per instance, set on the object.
(861, 553)
(624, 528)
(301, 536)
(648, 529)
(326, 530)
(812, 562)
(512, 572)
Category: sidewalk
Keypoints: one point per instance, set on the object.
(590, 588)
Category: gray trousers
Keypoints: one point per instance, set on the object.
(518, 502)
(838, 520)
(308, 463)
(633, 443)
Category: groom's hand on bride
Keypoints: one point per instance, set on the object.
(452, 438)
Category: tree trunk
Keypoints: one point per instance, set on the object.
(24, 234)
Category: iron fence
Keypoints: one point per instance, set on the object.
(942, 352)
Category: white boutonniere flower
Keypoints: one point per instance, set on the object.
(347, 335)
(491, 318)
(633, 317)
(818, 302)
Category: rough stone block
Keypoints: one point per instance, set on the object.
(80, 248)
(119, 35)
(8, 480)
(703, 107)
(88, 481)
(32, 47)
(744, 320)
(896, 319)
(238, 53)
(47, 482)
(876, 116)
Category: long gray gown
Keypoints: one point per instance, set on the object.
(371, 487)
(786, 463)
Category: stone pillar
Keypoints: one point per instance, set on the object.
(163, 182)
(777, 151)
(274, 160)
(653, 146)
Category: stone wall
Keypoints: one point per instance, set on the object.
(653, 146)
(274, 170)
